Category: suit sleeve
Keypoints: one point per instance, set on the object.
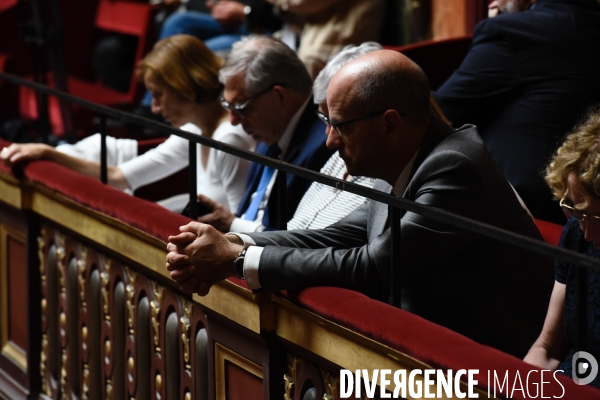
(487, 77)
(341, 254)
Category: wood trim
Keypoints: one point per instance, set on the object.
(115, 235)
(238, 304)
(11, 192)
(16, 354)
(223, 354)
(340, 345)
(9, 349)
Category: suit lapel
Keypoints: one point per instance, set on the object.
(299, 136)
(302, 130)
(378, 212)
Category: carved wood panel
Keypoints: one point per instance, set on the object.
(111, 332)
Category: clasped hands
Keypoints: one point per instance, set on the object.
(200, 256)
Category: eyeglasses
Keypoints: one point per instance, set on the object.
(337, 125)
(238, 109)
(574, 213)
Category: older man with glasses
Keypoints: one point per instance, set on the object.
(268, 91)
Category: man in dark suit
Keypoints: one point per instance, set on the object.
(268, 91)
(383, 128)
(525, 82)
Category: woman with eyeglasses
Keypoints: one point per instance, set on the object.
(181, 73)
(574, 177)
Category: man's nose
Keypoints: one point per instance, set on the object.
(234, 118)
(333, 138)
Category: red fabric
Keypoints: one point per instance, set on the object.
(426, 341)
(550, 231)
(124, 17)
(146, 216)
(6, 4)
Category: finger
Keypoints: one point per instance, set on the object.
(208, 218)
(178, 260)
(190, 285)
(180, 275)
(183, 236)
(203, 289)
(192, 226)
(183, 239)
(207, 201)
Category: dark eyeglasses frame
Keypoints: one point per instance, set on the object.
(337, 125)
(574, 213)
(238, 109)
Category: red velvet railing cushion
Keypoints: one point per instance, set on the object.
(424, 340)
(550, 231)
(146, 216)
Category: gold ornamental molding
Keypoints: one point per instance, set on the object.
(291, 376)
(81, 267)
(155, 305)
(331, 384)
(130, 291)
(7, 347)
(185, 321)
(222, 356)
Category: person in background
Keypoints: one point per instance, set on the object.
(574, 178)
(268, 92)
(526, 80)
(181, 73)
(323, 205)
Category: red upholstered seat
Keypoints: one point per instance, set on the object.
(123, 17)
(438, 58)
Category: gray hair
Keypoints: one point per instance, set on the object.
(337, 61)
(265, 62)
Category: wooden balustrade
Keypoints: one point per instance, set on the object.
(87, 311)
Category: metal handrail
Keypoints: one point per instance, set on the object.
(537, 246)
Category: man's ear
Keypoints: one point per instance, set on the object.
(394, 124)
(282, 94)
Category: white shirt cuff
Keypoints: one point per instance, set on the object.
(243, 225)
(251, 262)
(244, 238)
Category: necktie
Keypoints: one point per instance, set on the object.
(274, 151)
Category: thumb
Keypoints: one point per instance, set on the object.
(207, 201)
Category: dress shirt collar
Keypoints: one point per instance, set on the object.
(402, 181)
(286, 138)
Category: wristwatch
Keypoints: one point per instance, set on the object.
(238, 264)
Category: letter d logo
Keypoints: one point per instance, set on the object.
(585, 368)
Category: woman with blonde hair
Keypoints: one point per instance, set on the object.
(181, 73)
(574, 178)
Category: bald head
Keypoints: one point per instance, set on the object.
(383, 79)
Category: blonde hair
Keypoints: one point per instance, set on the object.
(579, 154)
(186, 65)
